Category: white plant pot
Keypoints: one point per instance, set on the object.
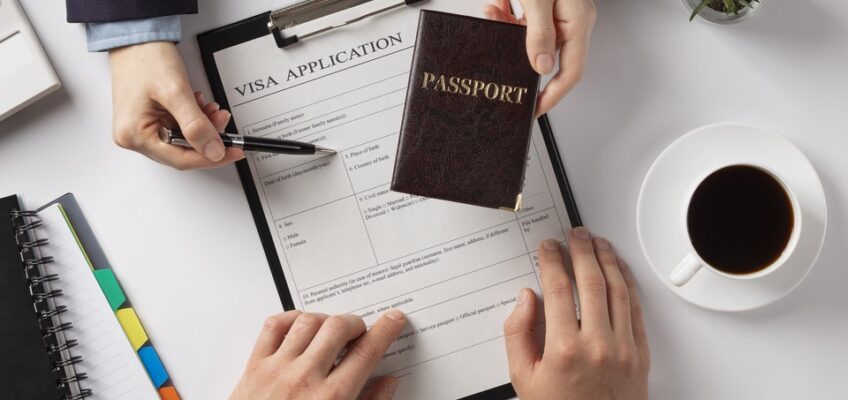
(709, 15)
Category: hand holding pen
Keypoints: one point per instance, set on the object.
(250, 143)
(148, 95)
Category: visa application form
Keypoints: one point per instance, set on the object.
(346, 243)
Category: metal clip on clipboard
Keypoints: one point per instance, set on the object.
(309, 10)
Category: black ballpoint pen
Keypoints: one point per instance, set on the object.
(250, 143)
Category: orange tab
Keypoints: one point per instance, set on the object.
(168, 393)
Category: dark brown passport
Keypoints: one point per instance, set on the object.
(469, 112)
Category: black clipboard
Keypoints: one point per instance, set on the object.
(261, 25)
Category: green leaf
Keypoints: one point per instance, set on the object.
(745, 3)
(730, 5)
(698, 9)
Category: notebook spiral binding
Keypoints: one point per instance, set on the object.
(56, 345)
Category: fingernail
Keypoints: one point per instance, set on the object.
(214, 150)
(544, 63)
(523, 296)
(201, 97)
(216, 106)
(602, 244)
(395, 315)
(550, 244)
(582, 233)
(229, 115)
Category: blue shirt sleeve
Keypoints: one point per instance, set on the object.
(109, 35)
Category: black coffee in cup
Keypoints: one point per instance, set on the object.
(740, 219)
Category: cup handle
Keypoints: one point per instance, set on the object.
(686, 270)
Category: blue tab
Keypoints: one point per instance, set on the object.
(153, 365)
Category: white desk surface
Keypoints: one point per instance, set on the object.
(186, 250)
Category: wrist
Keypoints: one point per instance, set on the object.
(143, 54)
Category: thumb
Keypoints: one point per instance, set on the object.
(541, 34)
(519, 331)
(383, 388)
(195, 125)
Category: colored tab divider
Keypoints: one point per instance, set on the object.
(132, 327)
(154, 366)
(168, 393)
(110, 287)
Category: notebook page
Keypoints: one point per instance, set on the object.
(348, 244)
(113, 368)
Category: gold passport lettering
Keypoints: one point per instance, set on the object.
(473, 87)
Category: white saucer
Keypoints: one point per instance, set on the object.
(663, 198)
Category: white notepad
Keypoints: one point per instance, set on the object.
(113, 368)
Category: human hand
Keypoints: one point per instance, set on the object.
(295, 358)
(552, 25)
(604, 355)
(150, 90)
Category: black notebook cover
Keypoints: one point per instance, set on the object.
(25, 370)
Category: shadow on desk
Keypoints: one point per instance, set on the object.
(800, 27)
(16, 124)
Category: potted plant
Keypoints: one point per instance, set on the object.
(721, 11)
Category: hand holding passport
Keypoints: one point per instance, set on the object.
(469, 112)
(555, 29)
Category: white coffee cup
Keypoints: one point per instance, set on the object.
(692, 262)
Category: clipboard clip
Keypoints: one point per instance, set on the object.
(308, 10)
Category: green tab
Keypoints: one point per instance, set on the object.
(110, 287)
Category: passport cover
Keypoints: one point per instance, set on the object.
(469, 112)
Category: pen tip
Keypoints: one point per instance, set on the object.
(324, 150)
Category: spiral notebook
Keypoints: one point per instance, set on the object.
(65, 329)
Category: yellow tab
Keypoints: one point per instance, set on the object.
(132, 327)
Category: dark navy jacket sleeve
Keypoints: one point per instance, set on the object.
(119, 10)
